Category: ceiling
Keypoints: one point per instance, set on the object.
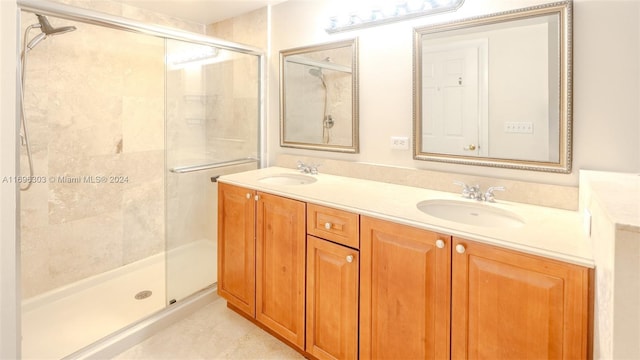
(201, 11)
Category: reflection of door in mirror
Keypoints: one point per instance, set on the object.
(454, 97)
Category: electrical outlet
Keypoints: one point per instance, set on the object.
(518, 127)
(400, 143)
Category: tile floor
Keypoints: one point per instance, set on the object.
(212, 332)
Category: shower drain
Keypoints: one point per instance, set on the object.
(143, 294)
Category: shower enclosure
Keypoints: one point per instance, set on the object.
(126, 126)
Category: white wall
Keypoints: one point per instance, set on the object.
(9, 339)
(606, 61)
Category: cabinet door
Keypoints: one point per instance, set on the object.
(509, 305)
(236, 247)
(280, 262)
(332, 300)
(405, 292)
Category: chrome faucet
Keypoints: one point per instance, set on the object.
(489, 196)
(473, 192)
(307, 169)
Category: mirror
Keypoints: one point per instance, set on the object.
(496, 90)
(319, 97)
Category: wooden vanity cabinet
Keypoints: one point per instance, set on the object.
(236, 247)
(332, 300)
(504, 304)
(261, 258)
(280, 266)
(332, 283)
(405, 287)
(417, 294)
(510, 305)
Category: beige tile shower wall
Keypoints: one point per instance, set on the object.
(95, 104)
(233, 128)
(250, 29)
(556, 196)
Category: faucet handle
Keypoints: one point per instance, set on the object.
(489, 196)
(313, 169)
(466, 189)
(301, 166)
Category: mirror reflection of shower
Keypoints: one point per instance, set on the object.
(327, 119)
(46, 30)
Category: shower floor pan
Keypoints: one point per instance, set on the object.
(62, 321)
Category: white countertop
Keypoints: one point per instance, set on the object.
(548, 232)
(618, 194)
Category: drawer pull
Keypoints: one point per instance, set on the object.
(440, 244)
(349, 258)
(327, 225)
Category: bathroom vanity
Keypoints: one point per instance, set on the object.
(345, 268)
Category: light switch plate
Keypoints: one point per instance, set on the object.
(518, 127)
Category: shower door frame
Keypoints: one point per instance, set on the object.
(118, 23)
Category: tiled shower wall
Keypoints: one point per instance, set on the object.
(95, 106)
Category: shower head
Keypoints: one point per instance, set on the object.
(317, 72)
(47, 29)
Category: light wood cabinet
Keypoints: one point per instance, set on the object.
(332, 300)
(339, 226)
(337, 285)
(405, 292)
(236, 247)
(504, 304)
(280, 266)
(509, 305)
(261, 258)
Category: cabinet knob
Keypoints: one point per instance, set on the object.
(327, 225)
(349, 258)
(248, 196)
(257, 197)
(440, 244)
(460, 249)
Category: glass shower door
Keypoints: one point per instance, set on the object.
(212, 128)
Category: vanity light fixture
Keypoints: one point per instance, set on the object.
(389, 13)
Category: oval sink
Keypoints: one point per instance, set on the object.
(288, 179)
(477, 214)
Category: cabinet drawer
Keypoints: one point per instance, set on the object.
(335, 225)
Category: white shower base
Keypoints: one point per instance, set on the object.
(58, 323)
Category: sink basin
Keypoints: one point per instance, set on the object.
(477, 214)
(288, 179)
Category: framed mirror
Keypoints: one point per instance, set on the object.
(496, 90)
(319, 97)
